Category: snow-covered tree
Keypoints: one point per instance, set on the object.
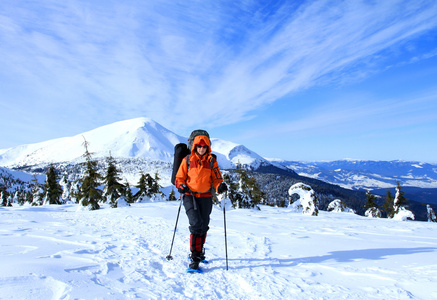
(400, 211)
(149, 189)
(243, 190)
(172, 196)
(90, 194)
(29, 197)
(339, 206)
(37, 192)
(52, 187)
(20, 197)
(4, 196)
(126, 192)
(372, 210)
(112, 179)
(431, 214)
(387, 206)
(65, 184)
(307, 202)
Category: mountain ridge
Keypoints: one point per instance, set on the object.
(140, 137)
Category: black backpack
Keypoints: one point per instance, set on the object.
(181, 150)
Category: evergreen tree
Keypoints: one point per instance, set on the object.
(370, 203)
(74, 193)
(232, 188)
(113, 188)
(52, 187)
(400, 200)
(387, 206)
(155, 188)
(127, 193)
(90, 194)
(142, 186)
(66, 188)
(148, 187)
(400, 205)
(430, 214)
(172, 196)
(243, 189)
(371, 207)
(37, 192)
(4, 196)
(29, 197)
(21, 197)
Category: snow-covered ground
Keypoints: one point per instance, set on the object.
(56, 252)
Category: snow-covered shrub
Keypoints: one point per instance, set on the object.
(373, 212)
(431, 214)
(339, 206)
(307, 202)
(401, 213)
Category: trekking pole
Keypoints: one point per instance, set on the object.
(224, 219)
(169, 257)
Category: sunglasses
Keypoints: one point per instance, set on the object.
(202, 146)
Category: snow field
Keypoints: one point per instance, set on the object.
(56, 252)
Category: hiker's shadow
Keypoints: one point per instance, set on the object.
(339, 256)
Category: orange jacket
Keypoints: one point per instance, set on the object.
(199, 178)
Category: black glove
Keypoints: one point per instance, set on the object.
(222, 188)
(183, 189)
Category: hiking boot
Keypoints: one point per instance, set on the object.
(194, 260)
(194, 265)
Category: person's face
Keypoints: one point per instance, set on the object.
(201, 149)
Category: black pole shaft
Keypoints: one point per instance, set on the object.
(226, 239)
(169, 257)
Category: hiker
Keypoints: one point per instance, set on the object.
(194, 180)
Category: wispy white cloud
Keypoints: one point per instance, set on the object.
(186, 63)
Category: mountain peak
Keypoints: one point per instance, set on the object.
(130, 138)
(139, 137)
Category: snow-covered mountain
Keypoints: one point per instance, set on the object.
(135, 138)
(140, 137)
(365, 174)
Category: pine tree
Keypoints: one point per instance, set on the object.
(154, 185)
(37, 192)
(29, 197)
(400, 200)
(172, 196)
(142, 188)
(66, 188)
(89, 194)
(430, 214)
(127, 193)
(4, 196)
(243, 190)
(113, 187)
(371, 207)
(21, 197)
(387, 206)
(370, 200)
(52, 187)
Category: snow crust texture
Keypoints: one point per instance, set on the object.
(56, 252)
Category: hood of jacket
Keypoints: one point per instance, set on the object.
(197, 141)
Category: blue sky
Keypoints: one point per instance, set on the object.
(308, 80)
